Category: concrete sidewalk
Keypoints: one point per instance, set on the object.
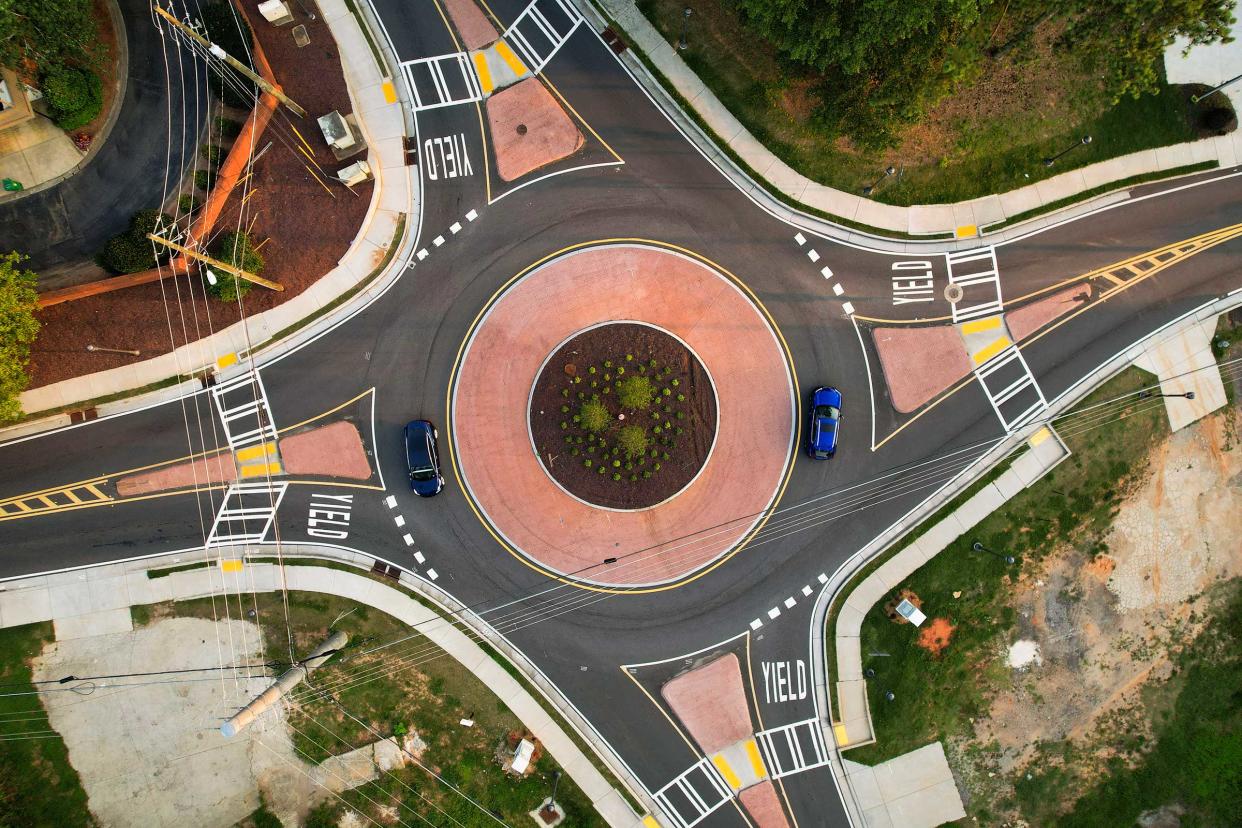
(913, 790)
(96, 601)
(378, 109)
(970, 217)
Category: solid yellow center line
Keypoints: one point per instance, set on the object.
(998, 345)
(977, 325)
(507, 55)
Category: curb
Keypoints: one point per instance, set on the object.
(912, 520)
(124, 590)
(875, 218)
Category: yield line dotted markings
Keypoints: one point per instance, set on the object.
(439, 240)
(408, 538)
(826, 272)
(390, 502)
(789, 603)
(399, 520)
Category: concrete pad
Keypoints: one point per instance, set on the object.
(862, 784)
(931, 218)
(711, 702)
(24, 606)
(920, 363)
(103, 622)
(878, 817)
(984, 503)
(71, 598)
(893, 571)
(786, 179)
(866, 594)
(852, 702)
(849, 659)
(764, 806)
(549, 133)
(942, 534)
(831, 201)
(1020, 200)
(849, 621)
(1184, 363)
(1008, 485)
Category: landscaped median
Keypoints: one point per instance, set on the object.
(410, 674)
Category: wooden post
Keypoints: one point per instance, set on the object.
(216, 263)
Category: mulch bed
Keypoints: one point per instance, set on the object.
(304, 230)
(589, 367)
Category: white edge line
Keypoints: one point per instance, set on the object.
(870, 387)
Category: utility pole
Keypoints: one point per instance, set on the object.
(216, 263)
(216, 51)
(287, 681)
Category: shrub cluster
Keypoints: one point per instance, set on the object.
(235, 249)
(132, 251)
(74, 94)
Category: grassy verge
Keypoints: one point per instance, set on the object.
(412, 686)
(1125, 183)
(38, 786)
(994, 146)
(935, 697)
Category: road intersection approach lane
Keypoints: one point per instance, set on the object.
(405, 346)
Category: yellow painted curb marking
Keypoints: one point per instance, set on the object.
(252, 452)
(485, 74)
(650, 822)
(722, 765)
(260, 470)
(978, 325)
(967, 231)
(226, 360)
(230, 565)
(1039, 436)
(839, 732)
(507, 55)
(756, 761)
(390, 92)
(1000, 344)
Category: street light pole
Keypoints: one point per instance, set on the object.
(683, 44)
(1147, 395)
(1194, 99)
(978, 547)
(550, 808)
(1082, 142)
(868, 190)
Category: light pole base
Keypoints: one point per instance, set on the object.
(548, 816)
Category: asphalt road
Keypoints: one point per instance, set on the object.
(405, 344)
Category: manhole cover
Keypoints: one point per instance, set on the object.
(953, 293)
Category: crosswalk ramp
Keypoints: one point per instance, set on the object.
(692, 796)
(541, 29)
(793, 748)
(246, 514)
(975, 275)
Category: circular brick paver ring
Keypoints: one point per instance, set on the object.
(566, 538)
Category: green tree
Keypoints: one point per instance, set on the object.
(18, 328)
(237, 250)
(49, 33)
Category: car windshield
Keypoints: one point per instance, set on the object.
(426, 473)
(828, 411)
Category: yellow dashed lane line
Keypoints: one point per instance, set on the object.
(998, 345)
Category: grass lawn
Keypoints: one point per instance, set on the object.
(936, 696)
(417, 686)
(991, 136)
(38, 786)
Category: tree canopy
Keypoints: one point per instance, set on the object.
(18, 328)
(49, 33)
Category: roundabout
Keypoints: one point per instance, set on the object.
(692, 436)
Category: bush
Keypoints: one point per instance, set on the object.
(636, 392)
(633, 440)
(186, 203)
(202, 179)
(74, 95)
(228, 128)
(132, 251)
(211, 154)
(229, 30)
(18, 328)
(235, 249)
(594, 415)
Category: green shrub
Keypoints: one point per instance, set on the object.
(75, 96)
(132, 251)
(616, 476)
(237, 250)
(203, 179)
(211, 154)
(228, 128)
(636, 392)
(186, 203)
(594, 415)
(633, 440)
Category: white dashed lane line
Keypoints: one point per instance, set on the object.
(826, 272)
(408, 538)
(439, 240)
(789, 603)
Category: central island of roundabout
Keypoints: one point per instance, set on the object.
(623, 415)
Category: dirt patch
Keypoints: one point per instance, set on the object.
(936, 635)
(299, 245)
(529, 129)
(678, 424)
(1104, 625)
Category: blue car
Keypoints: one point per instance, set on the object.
(422, 459)
(821, 437)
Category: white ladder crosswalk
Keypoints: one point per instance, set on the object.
(1011, 388)
(443, 80)
(793, 748)
(246, 514)
(975, 272)
(689, 798)
(540, 31)
(244, 411)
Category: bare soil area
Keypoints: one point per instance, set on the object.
(1104, 626)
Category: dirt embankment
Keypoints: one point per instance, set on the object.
(1095, 632)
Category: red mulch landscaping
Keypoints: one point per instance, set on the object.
(591, 366)
(304, 230)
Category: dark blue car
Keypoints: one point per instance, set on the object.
(821, 437)
(422, 458)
